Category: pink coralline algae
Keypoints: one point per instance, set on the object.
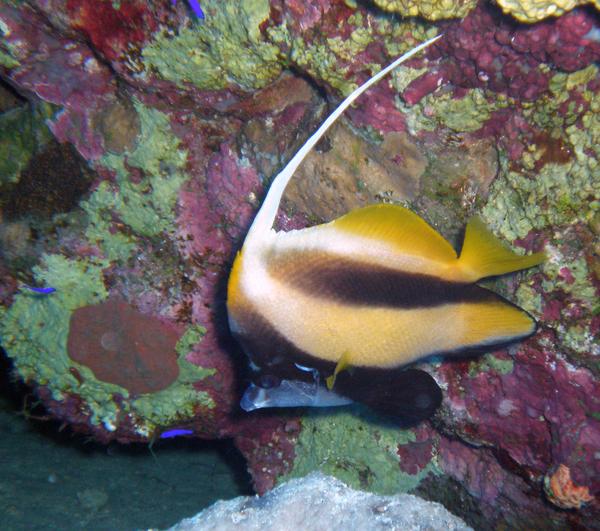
(125, 347)
(68, 75)
(416, 455)
(112, 30)
(518, 433)
(535, 417)
(488, 50)
(267, 442)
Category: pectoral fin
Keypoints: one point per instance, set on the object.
(342, 364)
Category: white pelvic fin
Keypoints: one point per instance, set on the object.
(266, 215)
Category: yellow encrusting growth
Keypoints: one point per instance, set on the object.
(429, 9)
(535, 10)
(483, 255)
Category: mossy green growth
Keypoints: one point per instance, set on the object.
(490, 363)
(560, 194)
(180, 400)
(548, 112)
(578, 337)
(147, 206)
(34, 332)
(428, 9)
(226, 48)
(7, 54)
(23, 132)
(356, 448)
(529, 300)
(557, 194)
(468, 113)
(461, 115)
(327, 59)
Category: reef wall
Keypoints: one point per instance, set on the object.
(137, 140)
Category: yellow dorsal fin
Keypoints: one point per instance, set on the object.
(398, 227)
(484, 255)
(342, 364)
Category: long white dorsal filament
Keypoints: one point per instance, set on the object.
(266, 215)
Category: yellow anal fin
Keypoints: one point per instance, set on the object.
(400, 228)
(342, 365)
(484, 255)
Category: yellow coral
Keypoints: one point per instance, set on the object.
(563, 493)
(429, 9)
(534, 10)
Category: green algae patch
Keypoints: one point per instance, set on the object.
(23, 132)
(34, 332)
(529, 300)
(227, 48)
(357, 450)
(579, 286)
(7, 51)
(179, 401)
(490, 363)
(462, 115)
(327, 59)
(560, 194)
(146, 206)
(465, 114)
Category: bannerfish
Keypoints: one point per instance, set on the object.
(345, 306)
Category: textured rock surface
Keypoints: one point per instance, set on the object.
(172, 141)
(323, 502)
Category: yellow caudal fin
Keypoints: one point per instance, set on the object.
(398, 227)
(484, 255)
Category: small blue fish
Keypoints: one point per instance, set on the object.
(43, 291)
(177, 432)
(195, 6)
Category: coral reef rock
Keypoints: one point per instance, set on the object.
(138, 141)
(323, 502)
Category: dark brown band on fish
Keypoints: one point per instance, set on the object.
(409, 395)
(348, 281)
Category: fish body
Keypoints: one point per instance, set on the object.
(42, 291)
(378, 287)
(359, 298)
(176, 432)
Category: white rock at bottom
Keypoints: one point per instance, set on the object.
(319, 502)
